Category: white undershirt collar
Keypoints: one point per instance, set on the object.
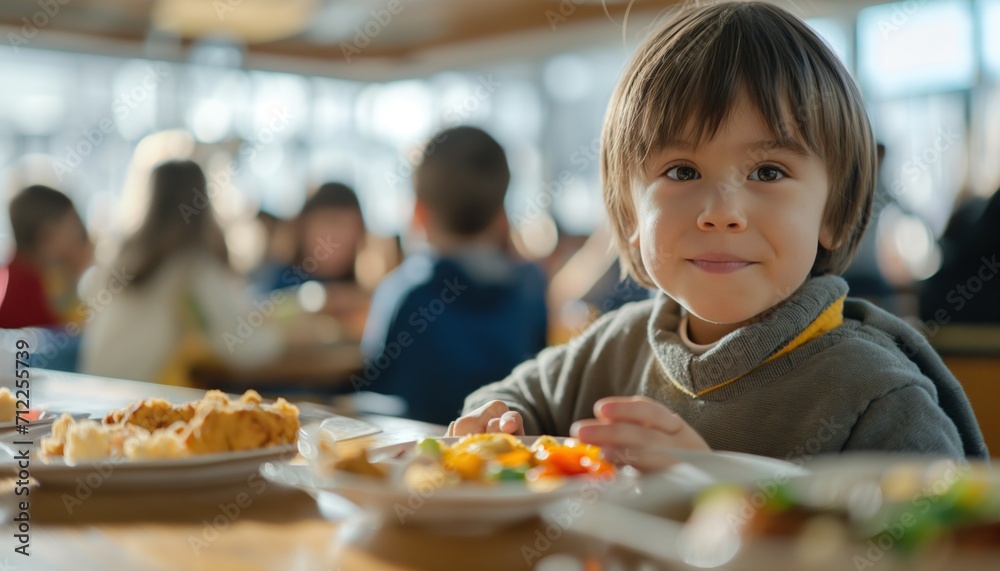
(695, 348)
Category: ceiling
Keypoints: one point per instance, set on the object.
(357, 39)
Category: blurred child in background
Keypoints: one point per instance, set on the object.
(181, 303)
(459, 312)
(330, 233)
(52, 250)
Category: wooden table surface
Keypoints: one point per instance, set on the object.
(281, 528)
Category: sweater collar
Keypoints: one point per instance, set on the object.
(814, 309)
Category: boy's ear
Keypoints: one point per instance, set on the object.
(633, 240)
(826, 237)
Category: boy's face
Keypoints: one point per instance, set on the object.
(730, 228)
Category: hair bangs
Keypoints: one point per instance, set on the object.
(712, 68)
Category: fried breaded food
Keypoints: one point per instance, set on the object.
(155, 428)
(152, 414)
(85, 440)
(159, 444)
(220, 426)
(356, 461)
(55, 443)
(8, 405)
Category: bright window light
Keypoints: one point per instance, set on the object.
(989, 22)
(835, 36)
(568, 77)
(913, 46)
(402, 111)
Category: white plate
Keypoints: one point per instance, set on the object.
(189, 472)
(176, 473)
(669, 541)
(467, 509)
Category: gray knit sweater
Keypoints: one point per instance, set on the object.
(873, 383)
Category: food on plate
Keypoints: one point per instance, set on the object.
(356, 461)
(488, 459)
(911, 508)
(155, 428)
(502, 457)
(85, 441)
(153, 414)
(7, 405)
(961, 507)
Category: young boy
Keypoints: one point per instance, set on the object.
(460, 313)
(738, 167)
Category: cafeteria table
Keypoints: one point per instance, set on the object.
(86, 528)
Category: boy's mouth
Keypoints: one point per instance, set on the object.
(720, 263)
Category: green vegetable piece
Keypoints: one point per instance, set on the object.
(782, 500)
(498, 473)
(428, 446)
(512, 474)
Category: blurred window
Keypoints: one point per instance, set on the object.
(910, 47)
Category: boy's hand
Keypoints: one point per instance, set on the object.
(493, 416)
(637, 431)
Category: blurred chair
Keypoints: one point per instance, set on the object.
(972, 353)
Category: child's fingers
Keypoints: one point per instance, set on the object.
(617, 434)
(644, 449)
(463, 426)
(646, 463)
(478, 420)
(469, 424)
(641, 411)
(512, 423)
(492, 409)
(650, 445)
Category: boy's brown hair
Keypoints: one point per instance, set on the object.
(463, 179)
(693, 69)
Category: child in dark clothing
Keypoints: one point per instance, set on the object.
(459, 313)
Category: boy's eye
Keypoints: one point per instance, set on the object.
(683, 173)
(767, 174)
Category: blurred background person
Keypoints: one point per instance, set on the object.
(181, 302)
(52, 251)
(277, 251)
(967, 289)
(329, 235)
(459, 312)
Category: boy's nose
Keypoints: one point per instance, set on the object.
(723, 213)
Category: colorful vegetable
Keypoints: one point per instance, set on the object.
(503, 457)
(429, 446)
